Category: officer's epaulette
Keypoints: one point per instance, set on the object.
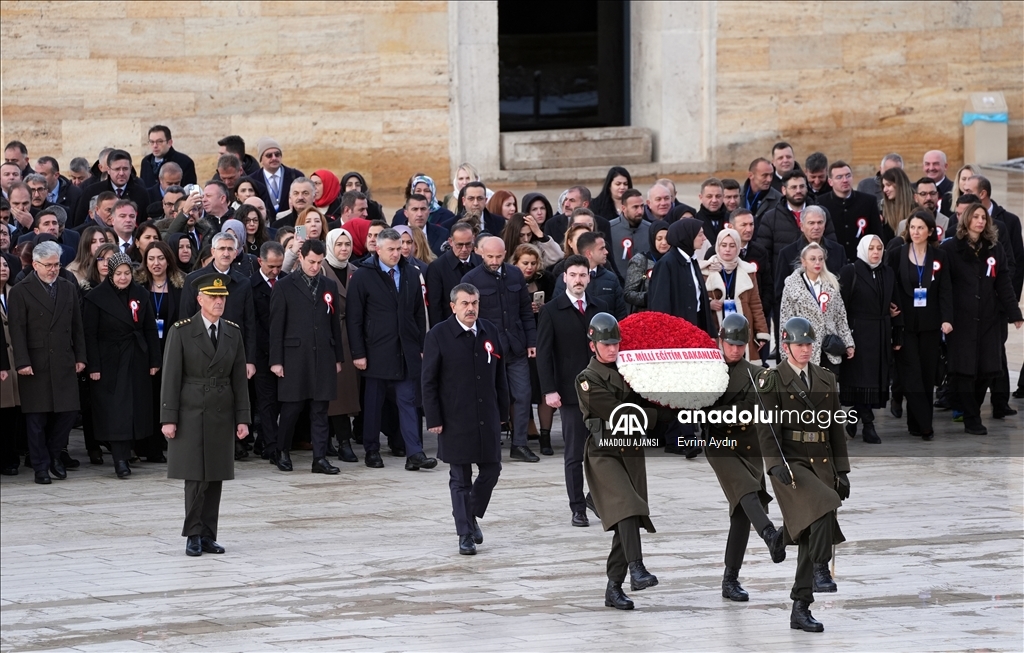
(766, 380)
(182, 322)
(233, 324)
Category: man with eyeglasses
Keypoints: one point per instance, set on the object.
(162, 151)
(277, 177)
(474, 208)
(121, 180)
(37, 191)
(853, 213)
(60, 189)
(447, 271)
(926, 196)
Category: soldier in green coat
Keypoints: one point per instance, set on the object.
(738, 464)
(204, 405)
(616, 475)
(804, 450)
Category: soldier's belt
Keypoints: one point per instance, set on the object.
(199, 380)
(804, 436)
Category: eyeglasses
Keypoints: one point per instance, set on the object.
(271, 155)
(48, 266)
(159, 142)
(933, 193)
(38, 191)
(252, 221)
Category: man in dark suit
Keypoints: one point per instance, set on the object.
(603, 285)
(474, 205)
(812, 230)
(169, 176)
(935, 165)
(305, 354)
(780, 225)
(506, 303)
(48, 341)
(120, 180)
(275, 176)
(417, 209)
(239, 307)
(264, 381)
(15, 152)
(447, 270)
(162, 152)
(757, 194)
(204, 408)
(61, 190)
(577, 197)
(386, 324)
(563, 351)
(101, 211)
(47, 223)
(712, 209)
(463, 360)
(852, 213)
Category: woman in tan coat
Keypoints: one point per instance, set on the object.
(346, 404)
(732, 287)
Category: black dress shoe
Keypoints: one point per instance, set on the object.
(1003, 411)
(870, 434)
(419, 461)
(589, 500)
(691, 452)
(1018, 393)
(523, 454)
(801, 619)
(209, 546)
(373, 460)
(240, 451)
(897, 411)
(9, 470)
(57, 469)
(284, 461)
(930, 435)
(331, 451)
(43, 478)
(851, 430)
(72, 463)
(345, 453)
(639, 577)
(323, 466)
(157, 459)
(614, 597)
(259, 449)
(466, 546)
(478, 535)
(731, 586)
(775, 539)
(822, 581)
(580, 519)
(398, 452)
(121, 469)
(975, 430)
(95, 457)
(193, 546)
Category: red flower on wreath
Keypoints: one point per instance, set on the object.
(653, 330)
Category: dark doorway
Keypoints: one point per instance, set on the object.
(562, 64)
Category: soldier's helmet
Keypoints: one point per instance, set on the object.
(798, 331)
(735, 329)
(604, 328)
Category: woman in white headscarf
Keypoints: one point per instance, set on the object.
(732, 288)
(867, 290)
(346, 403)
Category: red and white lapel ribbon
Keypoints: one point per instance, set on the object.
(329, 300)
(823, 300)
(134, 304)
(991, 272)
(936, 266)
(627, 249)
(489, 348)
(862, 224)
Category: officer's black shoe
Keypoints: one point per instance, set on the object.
(1003, 411)
(71, 463)
(870, 434)
(121, 469)
(822, 581)
(95, 456)
(975, 430)
(373, 460)
(419, 461)
(851, 430)
(1018, 393)
(580, 519)
(209, 546)
(283, 461)
(345, 453)
(478, 535)
(775, 541)
(323, 466)
(590, 504)
(801, 619)
(466, 546)
(43, 478)
(614, 597)
(896, 409)
(194, 546)
(57, 469)
(731, 586)
(523, 454)
(639, 577)
(545, 443)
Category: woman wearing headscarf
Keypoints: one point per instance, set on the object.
(181, 247)
(327, 193)
(439, 215)
(123, 351)
(732, 288)
(346, 402)
(867, 291)
(244, 262)
(353, 181)
(409, 248)
(677, 285)
(638, 273)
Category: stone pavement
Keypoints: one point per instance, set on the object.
(368, 560)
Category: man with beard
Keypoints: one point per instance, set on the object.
(629, 231)
(853, 214)
(926, 196)
(782, 225)
(447, 270)
(757, 194)
(712, 210)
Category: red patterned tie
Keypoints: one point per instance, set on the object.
(579, 303)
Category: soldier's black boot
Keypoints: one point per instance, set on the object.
(822, 581)
(776, 544)
(545, 443)
(731, 586)
(801, 619)
(639, 577)
(614, 597)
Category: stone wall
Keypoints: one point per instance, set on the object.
(342, 85)
(859, 79)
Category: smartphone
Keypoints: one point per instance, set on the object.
(538, 298)
(300, 232)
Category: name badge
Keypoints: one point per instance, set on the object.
(160, 328)
(729, 306)
(920, 297)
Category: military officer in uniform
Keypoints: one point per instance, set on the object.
(808, 463)
(738, 466)
(617, 476)
(204, 401)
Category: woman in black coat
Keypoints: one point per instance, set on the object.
(983, 302)
(529, 259)
(677, 286)
(123, 353)
(918, 329)
(866, 287)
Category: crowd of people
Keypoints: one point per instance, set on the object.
(909, 285)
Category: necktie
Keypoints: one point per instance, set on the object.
(796, 216)
(124, 247)
(579, 304)
(743, 253)
(52, 288)
(213, 335)
(803, 377)
(593, 273)
(120, 192)
(271, 282)
(195, 242)
(391, 273)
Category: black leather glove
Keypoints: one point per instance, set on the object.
(782, 473)
(843, 486)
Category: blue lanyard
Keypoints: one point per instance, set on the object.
(920, 268)
(728, 277)
(158, 300)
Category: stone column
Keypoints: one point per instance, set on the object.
(473, 101)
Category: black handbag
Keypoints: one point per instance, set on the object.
(834, 345)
